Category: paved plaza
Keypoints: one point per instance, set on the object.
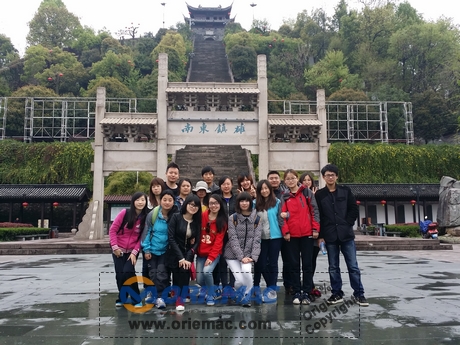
(69, 299)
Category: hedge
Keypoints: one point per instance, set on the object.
(405, 230)
(9, 234)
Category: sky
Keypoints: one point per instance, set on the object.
(148, 15)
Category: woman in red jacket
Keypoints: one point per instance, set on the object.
(299, 230)
(214, 223)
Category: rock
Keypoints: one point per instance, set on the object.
(449, 203)
(453, 231)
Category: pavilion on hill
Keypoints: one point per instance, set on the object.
(209, 21)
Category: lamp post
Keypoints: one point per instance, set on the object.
(253, 5)
(164, 5)
(416, 190)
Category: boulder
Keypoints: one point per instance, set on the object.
(449, 203)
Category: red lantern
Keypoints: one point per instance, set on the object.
(383, 202)
(269, 46)
(60, 74)
(25, 204)
(282, 40)
(50, 79)
(274, 40)
(358, 202)
(413, 202)
(55, 204)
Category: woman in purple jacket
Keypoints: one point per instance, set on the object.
(125, 240)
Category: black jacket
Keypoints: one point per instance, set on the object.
(179, 246)
(338, 212)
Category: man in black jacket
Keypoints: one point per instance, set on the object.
(338, 213)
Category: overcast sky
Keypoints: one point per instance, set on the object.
(117, 14)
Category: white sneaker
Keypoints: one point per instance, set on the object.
(160, 303)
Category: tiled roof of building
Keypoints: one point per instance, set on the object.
(395, 190)
(117, 198)
(43, 192)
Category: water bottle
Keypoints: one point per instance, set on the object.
(323, 249)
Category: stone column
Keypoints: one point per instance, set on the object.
(98, 183)
(162, 111)
(323, 145)
(263, 116)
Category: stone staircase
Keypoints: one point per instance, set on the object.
(209, 63)
(225, 160)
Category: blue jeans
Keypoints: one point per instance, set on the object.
(204, 273)
(267, 264)
(348, 250)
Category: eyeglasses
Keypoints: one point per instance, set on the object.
(213, 204)
(329, 175)
(193, 205)
(290, 179)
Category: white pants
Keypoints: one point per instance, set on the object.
(242, 273)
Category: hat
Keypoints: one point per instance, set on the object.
(201, 185)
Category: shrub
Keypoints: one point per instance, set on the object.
(9, 234)
(406, 230)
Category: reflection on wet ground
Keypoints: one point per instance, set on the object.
(70, 300)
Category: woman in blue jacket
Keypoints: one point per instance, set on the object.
(268, 208)
(155, 243)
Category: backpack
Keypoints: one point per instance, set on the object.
(155, 212)
(124, 221)
(256, 221)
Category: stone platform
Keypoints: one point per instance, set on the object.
(67, 244)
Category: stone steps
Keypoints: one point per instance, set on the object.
(209, 62)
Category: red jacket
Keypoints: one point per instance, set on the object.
(210, 243)
(301, 221)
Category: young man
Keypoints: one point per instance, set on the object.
(172, 176)
(274, 179)
(207, 173)
(338, 212)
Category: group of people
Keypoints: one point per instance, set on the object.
(204, 230)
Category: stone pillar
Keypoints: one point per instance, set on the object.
(323, 145)
(263, 116)
(98, 184)
(162, 111)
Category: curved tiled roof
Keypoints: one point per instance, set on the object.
(394, 190)
(43, 192)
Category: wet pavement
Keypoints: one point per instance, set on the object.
(69, 299)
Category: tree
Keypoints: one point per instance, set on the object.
(244, 62)
(331, 74)
(432, 118)
(127, 183)
(53, 25)
(426, 57)
(54, 68)
(10, 66)
(114, 88)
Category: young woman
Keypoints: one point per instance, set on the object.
(300, 229)
(157, 185)
(220, 273)
(203, 192)
(243, 247)
(185, 188)
(214, 222)
(308, 181)
(125, 240)
(155, 243)
(183, 235)
(268, 208)
(246, 184)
